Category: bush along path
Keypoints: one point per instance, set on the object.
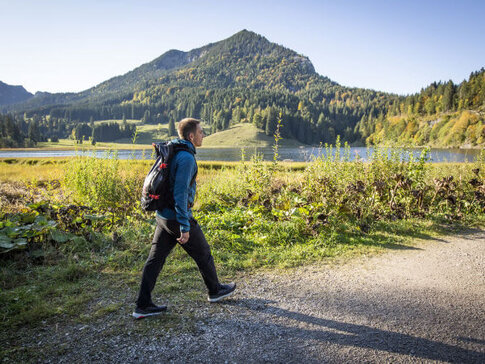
(422, 303)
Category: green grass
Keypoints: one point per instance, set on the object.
(244, 135)
(69, 144)
(34, 293)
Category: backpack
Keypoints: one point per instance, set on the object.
(155, 195)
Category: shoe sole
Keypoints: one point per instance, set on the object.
(212, 300)
(143, 315)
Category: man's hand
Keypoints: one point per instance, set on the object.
(184, 237)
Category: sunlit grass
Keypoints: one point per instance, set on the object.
(28, 169)
(244, 135)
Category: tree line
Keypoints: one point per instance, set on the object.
(22, 131)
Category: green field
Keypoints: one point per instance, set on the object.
(244, 135)
(146, 134)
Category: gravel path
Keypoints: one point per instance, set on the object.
(422, 304)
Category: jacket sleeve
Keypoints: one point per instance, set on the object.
(183, 176)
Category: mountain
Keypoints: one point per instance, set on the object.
(13, 94)
(244, 78)
(246, 59)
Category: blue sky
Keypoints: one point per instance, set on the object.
(393, 46)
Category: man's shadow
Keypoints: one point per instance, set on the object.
(363, 336)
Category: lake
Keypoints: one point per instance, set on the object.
(301, 154)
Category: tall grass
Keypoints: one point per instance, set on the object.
(104, 183)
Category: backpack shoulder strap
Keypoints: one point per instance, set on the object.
(179, 147)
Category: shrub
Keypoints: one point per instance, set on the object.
(104, 183)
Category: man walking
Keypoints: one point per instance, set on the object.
(176, 224)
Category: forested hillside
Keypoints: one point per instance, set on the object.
(442, 114)
(246, 78)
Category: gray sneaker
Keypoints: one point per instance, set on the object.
(224, 291)
(152, 310)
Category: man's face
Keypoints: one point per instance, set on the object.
(196, 138)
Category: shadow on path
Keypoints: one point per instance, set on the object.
(363, 336)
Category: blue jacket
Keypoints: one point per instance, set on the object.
(182, 170)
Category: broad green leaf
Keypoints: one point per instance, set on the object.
(37, 253)
(40, 220)
(10, 231)
(20, 242)
(51, 223)
(60, 236)
(27, 218)
(79, 240)
(5, 242)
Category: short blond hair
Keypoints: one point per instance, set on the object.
(187, 126)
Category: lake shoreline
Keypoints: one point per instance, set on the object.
(296, 154)
(262, 145)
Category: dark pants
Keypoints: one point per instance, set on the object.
(165, 239)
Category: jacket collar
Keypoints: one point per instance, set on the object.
(188, 143)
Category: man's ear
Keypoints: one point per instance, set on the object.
(191, 137)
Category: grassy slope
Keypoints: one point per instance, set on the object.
(244, 135)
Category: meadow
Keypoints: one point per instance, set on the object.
(238, 135)
(73, 239)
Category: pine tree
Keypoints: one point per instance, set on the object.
(448, 94)
(271, 121)
(33, 133)
(171, 128)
